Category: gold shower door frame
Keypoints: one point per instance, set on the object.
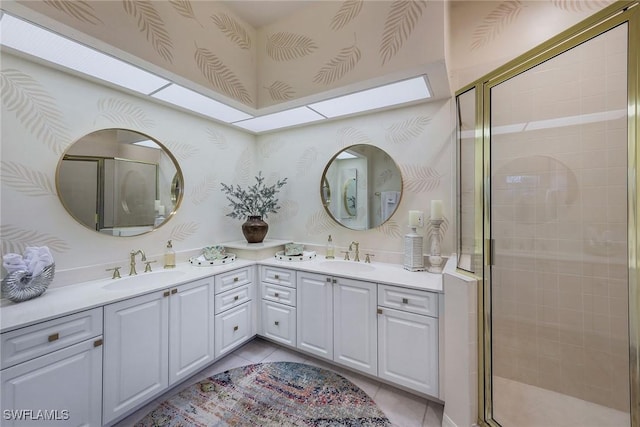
(616, 14)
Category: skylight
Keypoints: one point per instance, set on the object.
(186, 98)
(287, 118)
(41, 43)
(36, 41)
(371, 99)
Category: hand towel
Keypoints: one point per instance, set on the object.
(37, 258)
(389, 200)
(14, 262)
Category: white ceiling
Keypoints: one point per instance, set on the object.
(259, 13)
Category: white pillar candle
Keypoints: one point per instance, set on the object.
(414, 218)
(436, 209)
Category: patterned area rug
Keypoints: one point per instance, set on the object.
(269, 394)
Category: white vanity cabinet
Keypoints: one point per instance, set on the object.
(153, 341)
(355, 335)
(315, 314)
(337, 320)
(234, 309)
(278, 304)
(191, 329)
(52, 372)
(408, 338)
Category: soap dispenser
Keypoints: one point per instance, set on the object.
(329, 254)
(169, 256)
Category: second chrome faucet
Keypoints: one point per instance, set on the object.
(356, 256)
(132, 263)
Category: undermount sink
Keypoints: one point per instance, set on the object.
(144, 279)
(347, 266)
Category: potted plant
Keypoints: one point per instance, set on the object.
(253, 204)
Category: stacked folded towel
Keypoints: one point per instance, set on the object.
(34, 260)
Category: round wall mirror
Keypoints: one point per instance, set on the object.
(119, 182)
(361, 187)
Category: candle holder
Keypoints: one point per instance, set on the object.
(413, 256)
(435, 260)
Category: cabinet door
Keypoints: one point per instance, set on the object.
(190, 328)
(408, 350)
(279, 322)
(233, 327)
(136, 352)
(315, 314)
(355, 329)
(67, 384)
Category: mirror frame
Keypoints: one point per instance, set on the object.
(325, 188)
(176, 186)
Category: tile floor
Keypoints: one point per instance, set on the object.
(518, 404)
(403, 409)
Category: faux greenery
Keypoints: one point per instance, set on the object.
(257, 200)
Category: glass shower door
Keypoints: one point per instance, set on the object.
(559, 279)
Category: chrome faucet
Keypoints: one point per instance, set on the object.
(132, 271)
(356, 257)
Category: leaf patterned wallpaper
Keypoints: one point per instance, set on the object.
(487, 34)
(325, 46)
(418, 138)
(200, 41)
(44, 110)
(339, 43)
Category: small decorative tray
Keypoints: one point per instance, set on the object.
(304, 256)
(201, 261)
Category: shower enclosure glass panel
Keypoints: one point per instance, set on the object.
(559, 279)
(470, 178)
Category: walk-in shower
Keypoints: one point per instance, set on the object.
(548, 202)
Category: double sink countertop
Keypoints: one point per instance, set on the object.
(65, 300)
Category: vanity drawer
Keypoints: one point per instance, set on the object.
(233, 279)
(280, 294)
(33, 341)
(278, 276)
(233, 327)
(232, 298)
(411, 300)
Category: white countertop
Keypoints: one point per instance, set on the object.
(379, 272)
(70, 299)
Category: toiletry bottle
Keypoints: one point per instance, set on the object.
(330, 249)
(169, 256)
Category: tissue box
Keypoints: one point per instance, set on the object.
(292, 249)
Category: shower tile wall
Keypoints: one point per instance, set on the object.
(559, 219)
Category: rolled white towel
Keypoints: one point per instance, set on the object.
(14, 262)
(37, 258)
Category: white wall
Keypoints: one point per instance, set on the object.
(45, 110)
(55, 109)
(421, 146)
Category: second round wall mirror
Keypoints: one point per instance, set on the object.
(361, 187)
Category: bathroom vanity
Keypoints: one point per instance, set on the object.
(115, 344)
